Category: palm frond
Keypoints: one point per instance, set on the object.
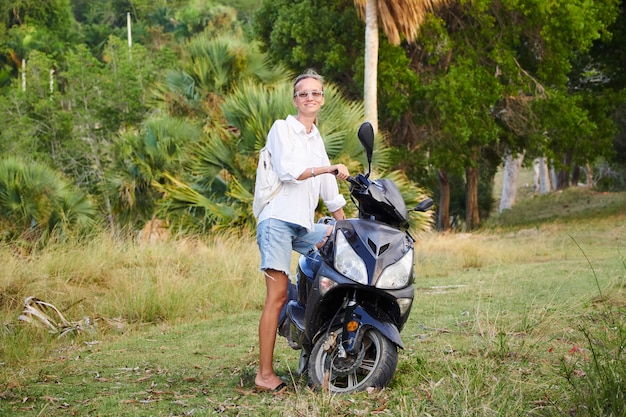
(261, 68)
(401, 17)
(239, 192)
(177, 94)
(214, 61)
(215, 162)
(44, 314)
(339, 123)
(217, 153)
(252, 108)
(34, 199)
(182, 196)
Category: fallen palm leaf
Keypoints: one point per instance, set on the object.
(38, 309)
(45, 314)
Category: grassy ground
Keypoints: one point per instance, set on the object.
(525, 317)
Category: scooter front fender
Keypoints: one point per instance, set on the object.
(366, 321)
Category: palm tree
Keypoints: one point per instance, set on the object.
(232, 92)
(140, 159)
(37, 202)
(167, 146)
(221, 188)
(399, 18)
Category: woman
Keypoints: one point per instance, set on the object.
(287, 222)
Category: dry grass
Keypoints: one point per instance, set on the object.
(495, 328)
(146, 283)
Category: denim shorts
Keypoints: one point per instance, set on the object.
(277, 239)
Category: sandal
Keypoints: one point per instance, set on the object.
(281, 388)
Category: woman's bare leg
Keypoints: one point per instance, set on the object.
(275, 298)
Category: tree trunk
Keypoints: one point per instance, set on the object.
(544, 176)
(371, 64)
(563, 177)
(472, 215)
(589, 175)
(576, 175)
(97, 162)
(509, 183)
(443, 220)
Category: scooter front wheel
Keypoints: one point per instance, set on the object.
(373, 366)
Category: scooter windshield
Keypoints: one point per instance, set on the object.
(382, 201)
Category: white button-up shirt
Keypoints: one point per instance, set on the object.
(294, 151)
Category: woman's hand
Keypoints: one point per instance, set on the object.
(340, 171)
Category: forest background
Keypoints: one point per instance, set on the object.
(117, 113)
(103, 134)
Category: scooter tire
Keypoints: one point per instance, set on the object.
(373, 367)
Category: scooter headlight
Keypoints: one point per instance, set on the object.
(397, 275)
(347, 262)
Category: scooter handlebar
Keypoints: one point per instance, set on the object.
(352, 180)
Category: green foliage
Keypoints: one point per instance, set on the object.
(567, 28)
(245, 12)
(562, 127)
(460, 102)
(252, 108)
(291, 32)
(397, 85)
(486, 76)
(36, 202)
(209, 17)
(95, 93)
(222, 172)
(34, 121)
(494, 78)
(215, 66)
(30, 25)
(142, 158)
(597, 370)
(606, 59)
(218, 64)
(68, 117)
(55, 15)
(569, 206)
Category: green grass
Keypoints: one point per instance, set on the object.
(525, 317)
(573, 205)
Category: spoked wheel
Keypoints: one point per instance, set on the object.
(373, 366)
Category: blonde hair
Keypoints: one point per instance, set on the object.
(310, 73)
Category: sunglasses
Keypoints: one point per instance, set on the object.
(316, 94)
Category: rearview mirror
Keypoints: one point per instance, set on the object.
(366, 137)
(425, 205)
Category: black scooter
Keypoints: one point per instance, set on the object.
(352, 297)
